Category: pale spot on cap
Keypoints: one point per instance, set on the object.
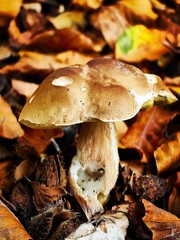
(62, 81)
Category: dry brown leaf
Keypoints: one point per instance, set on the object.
(66, 39)
(44, 195)
(9, 126)
(10, 227)
(112, 22)
(167, 155)
(40, 138)
(7, 168)
(174, 200)
(164, 225)
(145, 134)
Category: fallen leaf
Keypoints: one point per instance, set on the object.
(73, 57)
(173, 203)
(10, 227)
(9, 126)
(7, 168)
(167, 155)
(145, 134)
(66, 39)
(21, 198)
(33, 64)
(40, 138)
(164, 225)
(24, 88)
(112, 22)
(94, 4)
(132, 44)
(71, 19)
(141, 7)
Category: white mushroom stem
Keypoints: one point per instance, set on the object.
(94, 169)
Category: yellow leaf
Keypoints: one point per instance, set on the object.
(10, 227)
(167, 155)
(138, 43)
(140, 7)
(72, 19)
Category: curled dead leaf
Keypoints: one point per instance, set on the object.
(164, 225)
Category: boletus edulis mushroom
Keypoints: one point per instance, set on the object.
(97, 95)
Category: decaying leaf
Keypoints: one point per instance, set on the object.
(174, 199)
(66, 39)
(10, 227)
(150, 187)
(21, 199)
(7, 168)
(9, 126)
(40, 138)
(167, 155)
(173, 204)
(164, 225)
(145, 134)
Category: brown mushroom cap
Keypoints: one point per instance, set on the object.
(103, 89)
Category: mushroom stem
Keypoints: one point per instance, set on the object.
(94, 169)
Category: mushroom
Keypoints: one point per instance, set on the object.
(97, 95)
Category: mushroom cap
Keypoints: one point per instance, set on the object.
(103, 89)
